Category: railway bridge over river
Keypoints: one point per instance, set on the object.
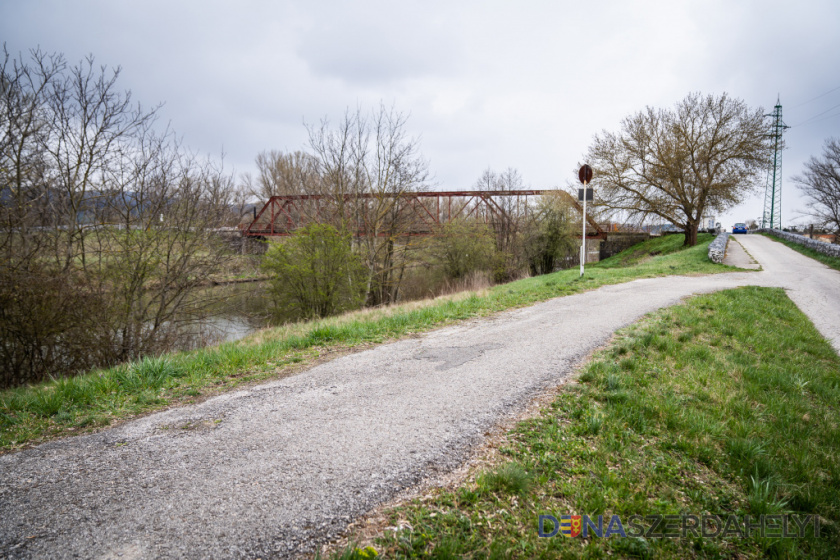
(418, 213)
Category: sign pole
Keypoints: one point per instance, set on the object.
(585, 176)
(583, 236)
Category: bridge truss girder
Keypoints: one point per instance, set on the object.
(419, 213)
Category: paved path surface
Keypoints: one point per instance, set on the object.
(737, 256)
(814, 287)
(274, 470)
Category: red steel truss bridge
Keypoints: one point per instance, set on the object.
(418, 213)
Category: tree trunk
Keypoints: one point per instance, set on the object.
(691, 234)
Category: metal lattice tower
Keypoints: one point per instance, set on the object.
(773, 193)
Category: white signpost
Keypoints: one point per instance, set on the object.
(585, 176)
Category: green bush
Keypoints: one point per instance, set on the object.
(315, 273)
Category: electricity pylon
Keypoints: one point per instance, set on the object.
(773, 193)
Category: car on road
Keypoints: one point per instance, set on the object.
(739, 228)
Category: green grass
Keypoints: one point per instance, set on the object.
(88, 402)
(664, 245)
(509, 478)
(726, 404)
(827, 260)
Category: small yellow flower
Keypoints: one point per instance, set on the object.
(367, 552)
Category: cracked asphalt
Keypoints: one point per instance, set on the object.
(279, 468)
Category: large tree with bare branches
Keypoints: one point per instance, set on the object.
(820, 183)
(704, 155)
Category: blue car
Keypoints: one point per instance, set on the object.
(739, 228)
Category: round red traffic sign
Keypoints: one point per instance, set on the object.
(585, 174)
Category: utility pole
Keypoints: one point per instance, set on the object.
(772, 217)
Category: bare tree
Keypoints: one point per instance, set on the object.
(341, 154)
(549, 238)
(506, 215)
(820, 183)
(280, 173)
(706, 154)
(507, 222)
(366, 163)
(156, 246)
(394, 169)
(105, 224)
(47, 168)
(25, 192)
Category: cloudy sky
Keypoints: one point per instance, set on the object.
(523, 84)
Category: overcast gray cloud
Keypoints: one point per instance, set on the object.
(390, 43)
(523, 84)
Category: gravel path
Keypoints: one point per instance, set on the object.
(278, 468)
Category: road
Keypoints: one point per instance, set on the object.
(812, 286)
(275, 469)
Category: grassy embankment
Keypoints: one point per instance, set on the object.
(724, 405)
(88, 402)
(827, 260)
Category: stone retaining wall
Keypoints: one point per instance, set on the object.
(830, 249)
(717, 248)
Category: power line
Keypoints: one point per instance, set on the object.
(817, 97)
(819, 121)
(819, 115)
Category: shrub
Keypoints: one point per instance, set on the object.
(315, 273)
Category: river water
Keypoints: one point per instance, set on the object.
(236, 311)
